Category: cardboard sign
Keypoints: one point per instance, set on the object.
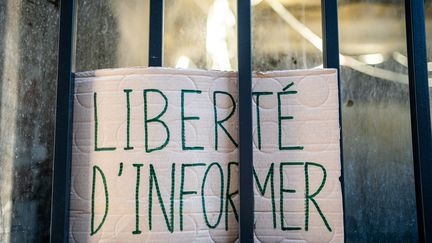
(155, 156)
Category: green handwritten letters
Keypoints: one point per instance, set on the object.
(270, 178)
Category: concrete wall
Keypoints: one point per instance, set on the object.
(28, 70)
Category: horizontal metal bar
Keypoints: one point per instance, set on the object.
(156, 33)
(245, 121)
(420, 115)
(63, 129)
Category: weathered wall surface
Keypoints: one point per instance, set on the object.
(28, 71)
(28, 55)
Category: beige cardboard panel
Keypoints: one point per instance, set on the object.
(190, 195)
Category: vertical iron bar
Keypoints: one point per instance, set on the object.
(330, 33)
(329, 15)
(156, 33)
(245, 120)
(420, 115)
(63, 129)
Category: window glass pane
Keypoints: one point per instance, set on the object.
(378, 166)
(112, 34)
(286, 34)
(378, 170)
(200, 34)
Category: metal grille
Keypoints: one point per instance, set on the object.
(418, 90)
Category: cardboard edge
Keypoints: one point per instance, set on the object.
(200, 72)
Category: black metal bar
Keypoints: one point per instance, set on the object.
(329, 15)
(63, 132)
(420, 115)
(330, 33)
(245, 121)
(156, 33)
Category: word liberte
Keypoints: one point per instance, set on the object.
(218, 121)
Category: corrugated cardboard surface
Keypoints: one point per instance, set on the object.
(314, 126)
